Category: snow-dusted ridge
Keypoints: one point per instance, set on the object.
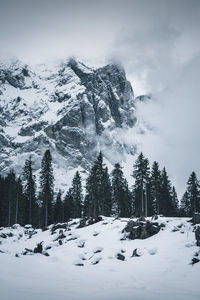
(162, 270)
(72, 109)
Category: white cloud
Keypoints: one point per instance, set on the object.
(156, 40)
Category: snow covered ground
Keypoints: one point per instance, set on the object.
(163, 271)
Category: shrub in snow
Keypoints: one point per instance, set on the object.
(194, 261)
(95, 260)
(135, 253)
(97, 249)
(38, 248)
(60, 236)
(10, 234)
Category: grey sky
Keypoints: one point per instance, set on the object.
(156, 40)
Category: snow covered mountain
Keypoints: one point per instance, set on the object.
(71, 109)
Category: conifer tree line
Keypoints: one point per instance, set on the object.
(105, 194)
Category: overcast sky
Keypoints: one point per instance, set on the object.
(157, 41)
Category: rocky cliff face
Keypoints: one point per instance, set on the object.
(72, 109)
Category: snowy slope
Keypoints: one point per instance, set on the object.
(163, 271)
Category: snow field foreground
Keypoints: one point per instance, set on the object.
(85, 266)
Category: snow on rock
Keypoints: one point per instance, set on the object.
(120, 256)
(98, 249)
(71, 109)
(95, 233)
(81, 243)
(96, 259)
(153, 251)
(78, 262)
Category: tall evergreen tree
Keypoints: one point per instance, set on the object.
(19, 203)
(77, 195)
(58, 209)
(175, 202)
(10, 182)
(30, 193)
(11, 199)
(193, 192)
(141, 174)
(166, 206)
(3, 202)
(68, 205)
(46, 188)
(121, 194)
(98, 196)
(185, 209)
(155, 186)
(106, 203)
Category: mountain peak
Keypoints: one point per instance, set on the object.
(74, 110)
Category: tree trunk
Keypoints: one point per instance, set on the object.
(142, 199)
(46, 215)
(17, 206)
(146, 209)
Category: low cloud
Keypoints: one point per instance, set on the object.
(157, 42)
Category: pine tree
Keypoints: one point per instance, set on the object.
(30, 193)
(98, 196)
(68, 205)
(77, 195)
(120, 193)
(10, 182)
(140, 190)
(46, 188)
(193, 192)
(11, 200)
(166, 206)
(3, 210)
(175, 202)
(58, 209)
(106, 203)
(155, 186)
(19, 203)
(185, 209)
